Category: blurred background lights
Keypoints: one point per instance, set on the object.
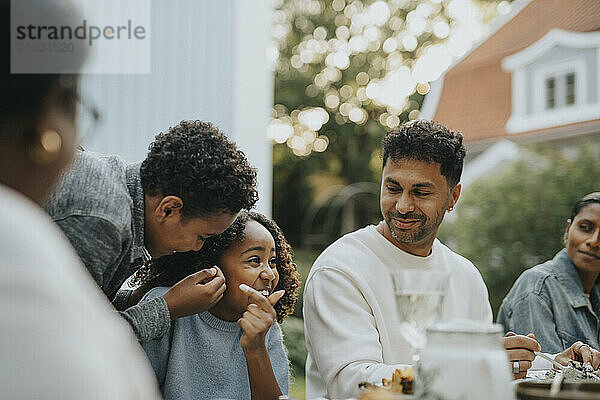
(409, 42)
(338, 5)
(390, 45)
(357, 115)
(423, 88)
(504, 7)
(392, 121)
(432, 63)
(441, 29)
(320, 144)
(414, 114)
(362, 78)
(342, 32)
(346, 91)
(313, 118)
(341, 60)
(378, 13)
(279, 131)
(366, 59)
(320, 33)
(309, 136)
(332, 101)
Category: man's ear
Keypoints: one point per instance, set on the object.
(168, 207)
(454, 195)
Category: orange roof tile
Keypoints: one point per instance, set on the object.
(476, 93)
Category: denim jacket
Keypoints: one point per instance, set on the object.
(548, 301)
(99, 205)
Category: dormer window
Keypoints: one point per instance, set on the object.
(555, 81)
(558, 85)
(559, 90)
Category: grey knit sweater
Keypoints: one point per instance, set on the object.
(99, 205)
(201, 358)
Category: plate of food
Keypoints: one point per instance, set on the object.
(575, 381)
(400, 386)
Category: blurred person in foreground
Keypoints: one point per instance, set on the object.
(118, 216)
(238, 340)
(59, 336)
(558, 300)
(351, 325)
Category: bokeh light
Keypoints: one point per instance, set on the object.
(365, 59)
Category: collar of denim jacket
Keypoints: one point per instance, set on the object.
(566, 273)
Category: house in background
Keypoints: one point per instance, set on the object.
(535, 78)
(208, 62)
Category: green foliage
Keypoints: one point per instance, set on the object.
(304, 259)
(293, 338)
(515, 219)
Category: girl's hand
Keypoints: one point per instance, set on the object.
(257, 319)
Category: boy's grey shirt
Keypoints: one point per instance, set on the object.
(99, 205)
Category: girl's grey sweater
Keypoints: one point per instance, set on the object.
(201, 357)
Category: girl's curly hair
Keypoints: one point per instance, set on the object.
(168, 270)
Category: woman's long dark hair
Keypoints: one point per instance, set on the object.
(168, 270)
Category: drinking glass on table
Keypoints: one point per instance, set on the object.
(419, 298)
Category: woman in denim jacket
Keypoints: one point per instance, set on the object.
(558, 300)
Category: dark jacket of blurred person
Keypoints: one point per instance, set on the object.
(59, 338)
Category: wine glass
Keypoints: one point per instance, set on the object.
(419, 298)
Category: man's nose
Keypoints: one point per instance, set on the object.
(405, 203)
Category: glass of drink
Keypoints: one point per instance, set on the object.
(419, 298)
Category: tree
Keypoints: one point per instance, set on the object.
(345, 72)
(515, 219)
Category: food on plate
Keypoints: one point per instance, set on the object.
(402, 381)
(576, 371)
(377, 393)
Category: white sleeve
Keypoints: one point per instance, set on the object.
(341, 335)
(50, 352)
(480, 303)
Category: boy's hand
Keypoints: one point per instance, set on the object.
(196, 293)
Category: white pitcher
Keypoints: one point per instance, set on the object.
(464, 360)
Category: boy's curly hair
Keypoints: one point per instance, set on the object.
(196, 161)
(168, 270)
(430, 142)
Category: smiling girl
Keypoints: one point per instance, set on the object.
(234, 350)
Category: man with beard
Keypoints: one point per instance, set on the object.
(351, 325)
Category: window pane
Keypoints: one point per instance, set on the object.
(550, 93)
(570, 86)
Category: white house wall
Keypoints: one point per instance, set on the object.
(208, 63)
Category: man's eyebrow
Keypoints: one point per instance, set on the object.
(424, 185)
(259, 248)
(428, 185)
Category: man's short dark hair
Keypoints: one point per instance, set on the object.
(196, 162)
(430, 142)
